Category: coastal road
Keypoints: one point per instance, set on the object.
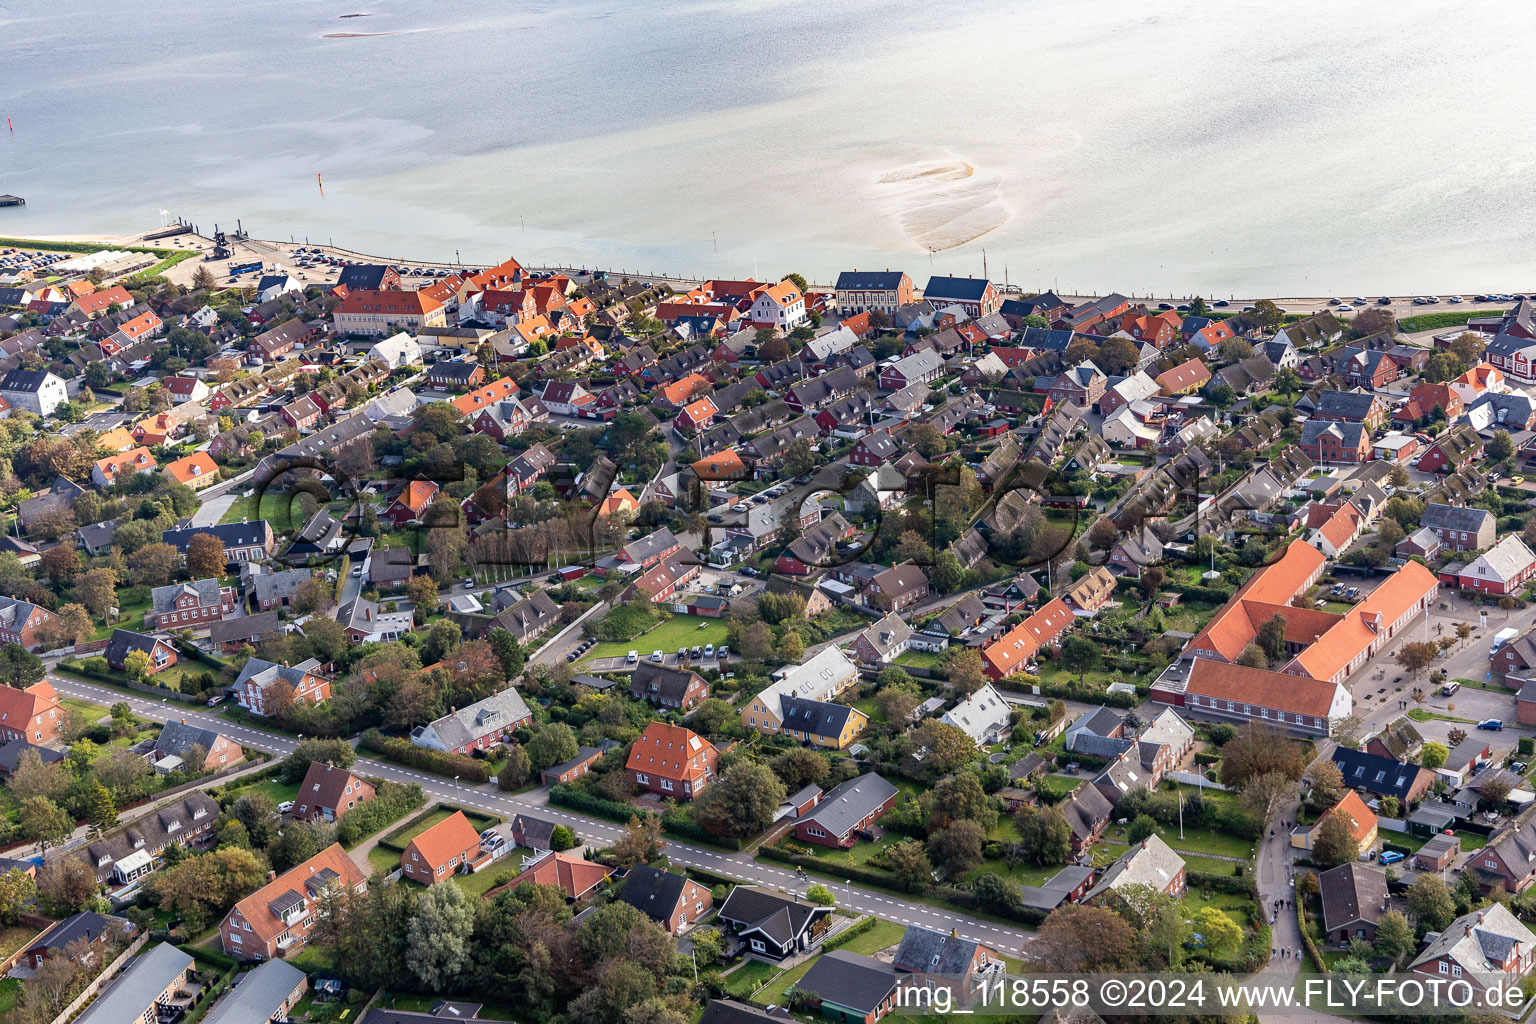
(740, 866)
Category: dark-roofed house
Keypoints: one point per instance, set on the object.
(243, 542)
(884, 641)
(131, 852)
(180, 740)
(1087, 811)
(728, 1011)
(846, 811)
(261, 996)
(1509, 860)
(1100, 733)
(1151, 862)
(271, 590)
(667, 687)
(945, 956)
(190, 605)
(1383, 776)
(160, 653)
(821, 723)
(883, 291)
(1353, 407)
(527, 619)
(1399, 740)
(1354, 898)
(536, 834)
(851, 987)
(672, 901)
(328, 792)
(773, 924)
(96, 929)
(150, 981)
(231, 634)
(575, 768)
(483, 724)
(12, 751)
(1460, 528)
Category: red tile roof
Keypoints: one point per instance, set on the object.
(1260, 687)
(1231, 628)
(447, 839)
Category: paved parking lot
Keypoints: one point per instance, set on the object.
(597, 665)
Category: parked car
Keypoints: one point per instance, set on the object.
(1491, 724)
(1383, 301)
(633, 657)
(709, 650)
(1449, 689)
(657, 656)
(722, 652)
(285, 807)
(1390, 857)
(216, 700)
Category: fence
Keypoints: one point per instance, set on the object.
(1191, 779)
(80, 672)
(1392, 824)
(102, 979)
(31, 921)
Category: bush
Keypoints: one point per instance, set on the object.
(847, 935)
(391, 801)
(403, 751)
(1527, 745)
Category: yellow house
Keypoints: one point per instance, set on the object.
(821, 724)
(1359, 818)
(817, 681)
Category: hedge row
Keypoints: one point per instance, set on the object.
(849, 872)
(673, 822)
(403, 751)
(847, 935)
(210, 955)
(966, 899)
(391, 802)
(1235, 885)
(1206, 595)
(1306, 937)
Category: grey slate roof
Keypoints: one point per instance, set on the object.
(274, 586)
(849, 803)
(650, 546)
(163, 599)
(258, 995)
(231, 535)
(1480, 942)
(925, 950)
(850, 979)
(87, 925)
(11, 754)
(816, 717)
(178, 737)
(538, 830)
(954, 289)
(728, 1011)
(1455, 517)
(125, 640)
(1151, 862)
(483, 716)
(243, 627)
(779, 916)
(654, 893)
(650, 681)
(137, 988)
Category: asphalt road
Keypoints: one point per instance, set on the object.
(740, 866)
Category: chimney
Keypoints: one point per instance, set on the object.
(271, 876)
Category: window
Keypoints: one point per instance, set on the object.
(1442, 967)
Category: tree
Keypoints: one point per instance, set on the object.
(1234, 349)
(67, 884)
(1346, 731)
(948, 747)
(203, 279)
(909, 863)
(423, 594)
(947, 574)
(136, 664)
(1327, 783)
(1433, 755)
(442, 640)
(741, 802)
(516, 770)
(554, 744)
(1265, 794)
(154, 564)
(820, 895)
(1415, 657)
(1271, 638)
(1431, 903)
(1333, 841)
(205, 556)
(1045, 836)
(1256, 750)
(97, 590)
(791, 647)
(757, 642)
(437, 942)
(258, 813)
(966, 671)
(19, 667)
(799, 767)
(959, 797)
(1078, 938)
(34, 777)
(508, 651)
(1455, 737)
(295, 766)
(45, 822)
(1254, 657)
(1080, 654)
(1222, 935)
(99, 809)
(1495, 790)
(562, 838)
(1500, 446)
(16, 893)
(1140, 829)
(773, 348)
(61, 563)
(1395, 937)
(957, 848)
(640, 843)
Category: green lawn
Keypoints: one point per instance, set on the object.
(383, 860)
(883, 935)
(91, 712)
(922, 659)
(1471, 840)
(130, 615)
(10, 991)
(280, 792)
(744, 980)
(14, 937)
(1196, 840)
(1420, 715)
(678, 631)
(773, 995)
(481, 883)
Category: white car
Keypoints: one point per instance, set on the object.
(709, 650)
(285, 807)
(633, 657)
(657, 656)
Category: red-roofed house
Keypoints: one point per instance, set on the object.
(97, 303)
(32, 714)
(577, 877)
(409, 505)
(379, 313)
(695, 416)
(1013, 650)
(672, 761)
(197, 470)
(276, 919)
(442, 850)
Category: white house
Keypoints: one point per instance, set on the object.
(983, 716)
(34, 391)
(274, 286)
(781, 305)
(399, 351)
